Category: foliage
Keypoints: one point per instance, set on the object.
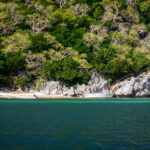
(39, 43)
(16, 42)
(14, 62)
(65, 39)
(71, 38)
(21, 82)
(3, 77)
(60, 70)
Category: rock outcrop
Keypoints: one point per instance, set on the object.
(51, 88)
(95, 85)
(134, 86)
(138, 86)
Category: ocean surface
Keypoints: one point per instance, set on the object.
(75, 124)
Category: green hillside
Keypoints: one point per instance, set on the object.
(64, 39)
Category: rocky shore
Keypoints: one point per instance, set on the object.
(54, 89)
(138, 86)
(97, 84)
(133, 87)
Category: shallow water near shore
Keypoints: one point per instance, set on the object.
(75, 124)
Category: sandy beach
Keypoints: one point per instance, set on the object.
(34, 95)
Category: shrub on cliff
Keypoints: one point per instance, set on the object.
(66, 70)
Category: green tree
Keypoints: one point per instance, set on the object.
(60, 70)
(3, 75)
(14, 62)
(39, 43)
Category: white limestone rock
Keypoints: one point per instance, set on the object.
(136, 86)
(80, 89)
(95, 85)
(51, 88)
(68, 91)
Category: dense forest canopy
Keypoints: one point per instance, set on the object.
(65, 39)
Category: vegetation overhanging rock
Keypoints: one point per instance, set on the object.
(65, 39)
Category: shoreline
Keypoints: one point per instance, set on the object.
(80, 100)
(40, 96)
(49, 98)
(34, 95)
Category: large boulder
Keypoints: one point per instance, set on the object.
(51, 88)
(68, 91)
(125, 88)
(80, 89)
(136, 86)
(142, 86)
(97, 84)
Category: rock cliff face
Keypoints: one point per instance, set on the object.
(131, 87)
(134, 86)
(95, 85)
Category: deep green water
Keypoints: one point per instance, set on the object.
(75, 124)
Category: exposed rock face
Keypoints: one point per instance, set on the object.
(125, 88)
(68, 91)
(136, 86)
(95, 85)
(51, 88)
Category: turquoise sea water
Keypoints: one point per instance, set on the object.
(75, 124)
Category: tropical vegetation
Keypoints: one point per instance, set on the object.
(65, 39)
